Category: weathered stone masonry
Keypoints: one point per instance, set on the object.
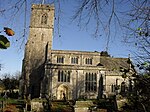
(75, 74)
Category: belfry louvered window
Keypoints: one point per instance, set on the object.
(90, 82)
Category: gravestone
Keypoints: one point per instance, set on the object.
(83, 106)
(36, 106)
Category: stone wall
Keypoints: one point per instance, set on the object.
(37, 106)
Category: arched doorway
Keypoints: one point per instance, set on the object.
(61, 91)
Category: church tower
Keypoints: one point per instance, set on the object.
(39, 41)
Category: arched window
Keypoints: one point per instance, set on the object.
(113, 88)
(74, 60)
(60, 59)
(90, 82)
(123, 86)
(64, 76)
(44, 19)
(59, 76)
(88, 61)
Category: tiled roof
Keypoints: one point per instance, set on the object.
(112, 63)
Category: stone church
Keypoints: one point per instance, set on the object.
(75, 74)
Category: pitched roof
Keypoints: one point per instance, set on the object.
(114, 63)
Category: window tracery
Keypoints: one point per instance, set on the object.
(90, 82)
(64, 76)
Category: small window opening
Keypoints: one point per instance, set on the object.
(44, 19)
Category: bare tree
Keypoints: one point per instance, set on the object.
(131, 17)
(127, 15)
